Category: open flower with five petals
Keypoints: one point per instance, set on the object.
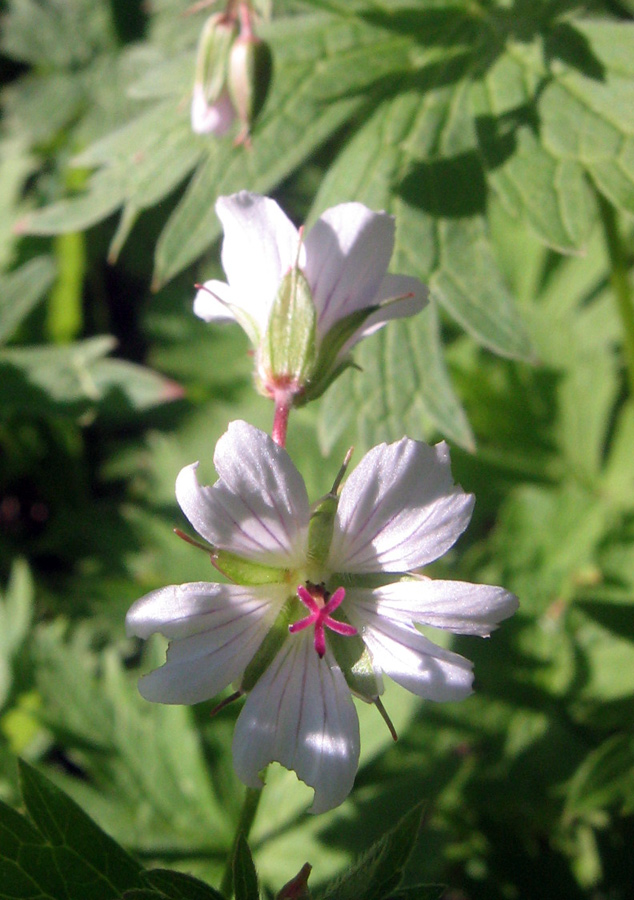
(305, 622)
(305, 301)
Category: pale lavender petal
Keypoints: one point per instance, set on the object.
(414, 294)
(215, 118)
(211, 309)
(259, 507)
(259, 247)
(215, 630)
(347, 255)
(407, 656)
(300, 713)
(398, 510)
(452, 605)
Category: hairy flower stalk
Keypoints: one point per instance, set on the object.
(321, 603)
(305, 300)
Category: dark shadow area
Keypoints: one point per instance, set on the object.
(447, 188)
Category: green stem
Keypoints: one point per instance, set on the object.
(619, 279)
(247, 816)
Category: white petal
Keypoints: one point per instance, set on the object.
(415, 296)
(259, 247)
(453, 605)
(211, 119)
(301, 714)
(347, 255)
(215, 630)
(207, 307)
(259, 508)
(407, 656)
(398, 510)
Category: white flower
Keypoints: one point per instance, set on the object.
(343, 294)
(398, 510)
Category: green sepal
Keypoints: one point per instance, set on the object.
(270, 646)
(327, 366)
(214, 49)
(355, 662)
(316, 388)
(320, 529)
(243, 571)
(249, 76)
(287, 351)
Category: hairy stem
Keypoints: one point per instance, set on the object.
(619, 278)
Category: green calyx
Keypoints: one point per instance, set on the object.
(355, 663)
(287, 350)
(328, 366)
(320, 531)
(249, 75)
(270, 646)
(243, 571)
(214, 49)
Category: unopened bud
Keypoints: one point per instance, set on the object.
(297, 888)
(250, 69)
(212, 110)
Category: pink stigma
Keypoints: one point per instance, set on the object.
(315, 599)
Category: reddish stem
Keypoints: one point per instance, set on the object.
(246, 28)
(283, 406)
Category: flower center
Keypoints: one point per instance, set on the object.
(320, 605)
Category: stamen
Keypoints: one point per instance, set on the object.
(190, 540)
(223, 703)
(203, 287)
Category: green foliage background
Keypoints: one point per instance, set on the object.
(500, 133)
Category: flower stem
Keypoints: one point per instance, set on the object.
(283, 406)
(247, 816)
(619, 278)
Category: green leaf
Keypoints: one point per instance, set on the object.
(245, 877)
(16, 164)
(587, 110)
(584, 426)
(420, 892)
(16, 612)
(441, 233)
(60, 854)
(140, 163)
(21, 291)
(74, 378)
(55, 34)
(604, 779)
(149, 782)
(378, 872)
(178, 886)
(402, 384)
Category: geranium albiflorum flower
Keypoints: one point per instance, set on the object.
(303, 625)
(305, 300)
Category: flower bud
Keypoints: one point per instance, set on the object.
(297, 888)
(212, 110)
(249, 76)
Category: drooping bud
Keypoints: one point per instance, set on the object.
(212, 109)
(249, 76)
